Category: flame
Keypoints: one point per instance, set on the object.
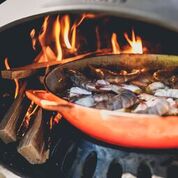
(74, 29)
(42, 37)
(65, 23)
(115, 44)
(83, 17)
(55, 120)
(66, 31)
(57, 31)
(46, 39)
(73, 39)
(15, 80)
(31, 110)
(34, 40)
(26, 121)
(135, 43)
(58, 39)
(61, 30)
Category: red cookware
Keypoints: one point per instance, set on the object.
(117, 128)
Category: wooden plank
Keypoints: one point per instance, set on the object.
(10, 121)
(33, 145)
(29, 70)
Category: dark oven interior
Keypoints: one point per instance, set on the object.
(73, 154)
(93, 32)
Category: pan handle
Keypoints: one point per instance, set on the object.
(47, 100)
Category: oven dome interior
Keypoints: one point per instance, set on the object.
(15, 42)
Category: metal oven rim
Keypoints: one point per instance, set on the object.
(159, 12)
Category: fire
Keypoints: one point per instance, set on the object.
(62, 36)
(55, 120)
(83, 17)
(31, 111)
(15, 80)
(68, 33)
(73, 39)
(42, 38)
(135, 43)
(115, 44)
(75, 26)
(34, 40)
(57, 31)
(65, 22)
(59, 38)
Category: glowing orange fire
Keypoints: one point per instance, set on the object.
(62, 39)
(42, 38)
(31, 110)
(115, 44)
(65, 23)
(34, 41)
(135, 43)
(58, 37)
(57, 31)
(15, 80)
(55, 120)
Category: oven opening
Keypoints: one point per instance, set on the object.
(37, 138)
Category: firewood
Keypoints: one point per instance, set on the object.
(33, 145)
(11, 120)
(40, 68)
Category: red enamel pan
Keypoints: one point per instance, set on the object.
(117, 128)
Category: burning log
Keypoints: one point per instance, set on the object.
(35, 68)
(33, 146)
(11, 120)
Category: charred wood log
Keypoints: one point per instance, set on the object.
(11, 120)
(33, 146)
